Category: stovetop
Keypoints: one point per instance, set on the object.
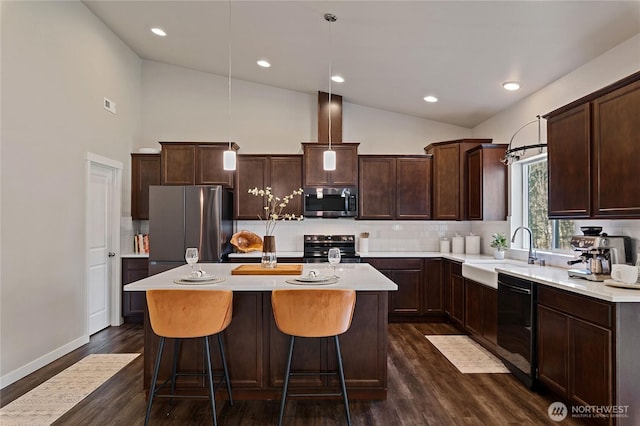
(317, 246)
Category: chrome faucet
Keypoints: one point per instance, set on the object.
(532, 251)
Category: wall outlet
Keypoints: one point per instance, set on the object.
(109, 105)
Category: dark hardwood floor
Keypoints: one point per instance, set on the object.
(424, 389)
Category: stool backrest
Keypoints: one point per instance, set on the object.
(189, 313)
(313, 312)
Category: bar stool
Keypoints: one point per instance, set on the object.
(313, 313)
(187, 314)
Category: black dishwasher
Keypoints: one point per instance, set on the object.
(517, 327)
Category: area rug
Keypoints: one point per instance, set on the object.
(47, 402)
(466, 355)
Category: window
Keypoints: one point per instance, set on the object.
(547, 234)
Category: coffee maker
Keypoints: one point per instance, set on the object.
(598, 253)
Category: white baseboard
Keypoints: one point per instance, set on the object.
(29, 368)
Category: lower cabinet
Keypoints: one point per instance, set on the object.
(456, 294)
(134, 302)
(420, 294)
(575, 347)
(481, 312)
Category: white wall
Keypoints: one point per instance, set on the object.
(58, 62)
(185, 105)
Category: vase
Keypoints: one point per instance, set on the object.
(269, 259)
(498, 254)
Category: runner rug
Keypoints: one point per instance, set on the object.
(467, 355)
(47, 402)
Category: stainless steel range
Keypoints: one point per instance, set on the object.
(316, 248)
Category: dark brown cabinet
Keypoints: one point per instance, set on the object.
(394, 187)
(433, 287)
(282, 173)
(195, 163)
(486, 195)
(593, 147)
(407, 274)
(134, 302)
(450, 177)
(481, 312)
(346, 172)
(145, 171)
(575, 347)
(453, 292)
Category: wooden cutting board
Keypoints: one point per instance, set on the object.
(256, 269)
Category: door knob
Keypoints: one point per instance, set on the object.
(111, 254)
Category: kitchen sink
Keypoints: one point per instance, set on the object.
(484, 271)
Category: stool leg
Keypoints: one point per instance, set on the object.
(286, 380)
(154, 379)
(224, 366)
(212, 397)
(342, 383)
(174, 370)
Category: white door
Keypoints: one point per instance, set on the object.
(103, 228)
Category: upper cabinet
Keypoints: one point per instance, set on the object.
(450, 177)
(346, 172)
(486, 195)
(283, 173)
(195, 163)
(594, 152)
(395, 187)
(145, 171)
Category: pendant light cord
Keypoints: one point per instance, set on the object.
(330, 60)
(229, 96)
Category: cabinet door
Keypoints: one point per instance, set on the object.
(446, 286)
(473, 307)
(474, 185)
(285, 176)
(377, 177)
(569, 173)
(446, 182)
(457, 300)
(490, 314)
(178, 164)
(407, 300)
(145, 171)
(433, 292)
(413, 188)
(590, 364)
(553, 338)
(134, 302)
(346, 172)
(314, 174)
(252, 172)
(617, 153)
(210, 169)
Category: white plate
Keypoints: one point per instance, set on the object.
(325, 282)
(316, 279)
(206, 277)
(612, 283)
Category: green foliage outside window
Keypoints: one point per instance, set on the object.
(544, 229)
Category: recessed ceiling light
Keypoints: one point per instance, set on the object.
(337, 79)
(511, 85)
(430, 99)
(158, 31)
(263, 63)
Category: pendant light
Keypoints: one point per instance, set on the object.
(229, 156)
(329, 156)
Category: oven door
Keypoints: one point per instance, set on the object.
(517, 327)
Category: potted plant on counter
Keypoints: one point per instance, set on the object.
(499, 244)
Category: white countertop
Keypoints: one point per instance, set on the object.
(356, 276)
(135, 255)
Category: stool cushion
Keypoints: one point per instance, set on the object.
(313, 312)
(189, 313)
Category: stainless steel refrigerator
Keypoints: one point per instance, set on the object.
(188, 216)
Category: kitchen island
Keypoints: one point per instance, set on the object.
(256, 350)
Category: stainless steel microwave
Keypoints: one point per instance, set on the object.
(331, 202)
